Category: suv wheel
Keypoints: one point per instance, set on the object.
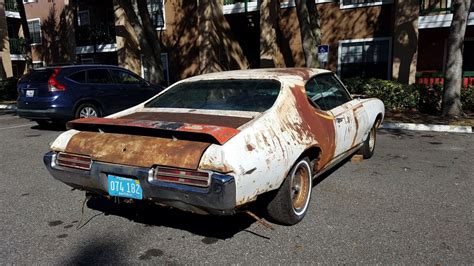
(87, 110)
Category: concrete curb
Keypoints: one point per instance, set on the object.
(427, 127)
(7, 107)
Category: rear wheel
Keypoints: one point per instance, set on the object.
(87, 110)
(291, 202)
(367, 149)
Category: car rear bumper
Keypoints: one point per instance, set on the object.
(218, 198)
(46, 114)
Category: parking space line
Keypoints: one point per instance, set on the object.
(17, 126)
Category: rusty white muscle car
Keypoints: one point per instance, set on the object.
(213, 143)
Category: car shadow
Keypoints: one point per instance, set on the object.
(50, 127)
(212, 227)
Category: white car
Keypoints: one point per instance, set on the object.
(213, 143)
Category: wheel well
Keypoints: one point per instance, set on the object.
(313, 153)
(378, 120)
(91, 101)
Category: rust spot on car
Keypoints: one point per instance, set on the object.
(219, 133)
(190, 118)
(317, 124)
(250, 147)
(142, 151)
(304, 73)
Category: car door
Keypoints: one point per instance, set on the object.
(328, 94)
(134, 88)
(103, 89)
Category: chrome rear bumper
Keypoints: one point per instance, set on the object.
(218, 198)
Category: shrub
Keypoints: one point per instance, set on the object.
(467, 98)
(396, 96)
(8, 89)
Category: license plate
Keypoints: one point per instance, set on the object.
(30, 93)
(124, 187)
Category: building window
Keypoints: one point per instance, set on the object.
(366, 58)
(35, 30)
(156, 9)
(164, 61)
(363, 3)
(83, 18)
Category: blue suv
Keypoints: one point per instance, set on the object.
(59, 94)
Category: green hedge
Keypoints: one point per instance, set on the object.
(399, 97)
(8, 91)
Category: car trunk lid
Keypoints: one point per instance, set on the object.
(141, 141)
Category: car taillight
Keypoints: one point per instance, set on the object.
(74, 161)
(182, 176)
(53, 83)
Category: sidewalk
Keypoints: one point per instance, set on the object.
(402, 121)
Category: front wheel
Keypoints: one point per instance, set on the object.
(367, 149)
(291, 202)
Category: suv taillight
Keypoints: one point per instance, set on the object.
(53, 83)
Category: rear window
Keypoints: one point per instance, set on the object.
(78, 77)
(38, 76)
(235, 95)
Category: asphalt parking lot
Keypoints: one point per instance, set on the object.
(413, 202)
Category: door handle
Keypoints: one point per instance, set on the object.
(339, 119)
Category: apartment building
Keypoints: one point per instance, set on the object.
(389, 39)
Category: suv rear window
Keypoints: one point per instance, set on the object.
(79, 77)
(38, 76)
(237, 95)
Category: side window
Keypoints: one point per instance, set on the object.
(79, 77)
(326, 92)
(98, 76)
(123, 77)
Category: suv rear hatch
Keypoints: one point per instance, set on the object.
(33, 89)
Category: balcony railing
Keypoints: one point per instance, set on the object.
(10, 5)
(431, 78)
(17, 46)
(437, 7)
(95, 34)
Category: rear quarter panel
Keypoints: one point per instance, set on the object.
(262, 154)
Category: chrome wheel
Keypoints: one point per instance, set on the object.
(87, 110)
(372, 139)
(300, 187)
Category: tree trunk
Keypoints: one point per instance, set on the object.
(26, 34)
(453, 76)
(270, 55)
(308, 39)
(314, 21)
(139, 19)
(208, 40)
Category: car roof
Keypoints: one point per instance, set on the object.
(280, 74)
(85, 66)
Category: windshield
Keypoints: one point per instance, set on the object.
(235, 95)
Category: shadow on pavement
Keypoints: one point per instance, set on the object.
(209, 226)
(97, 251)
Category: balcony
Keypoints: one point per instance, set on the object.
(17, 46)
(10, 5)
(438, 14)
(11, 9)
(95, 35)
(435, 7)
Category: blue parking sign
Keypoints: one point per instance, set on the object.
(323, 49)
